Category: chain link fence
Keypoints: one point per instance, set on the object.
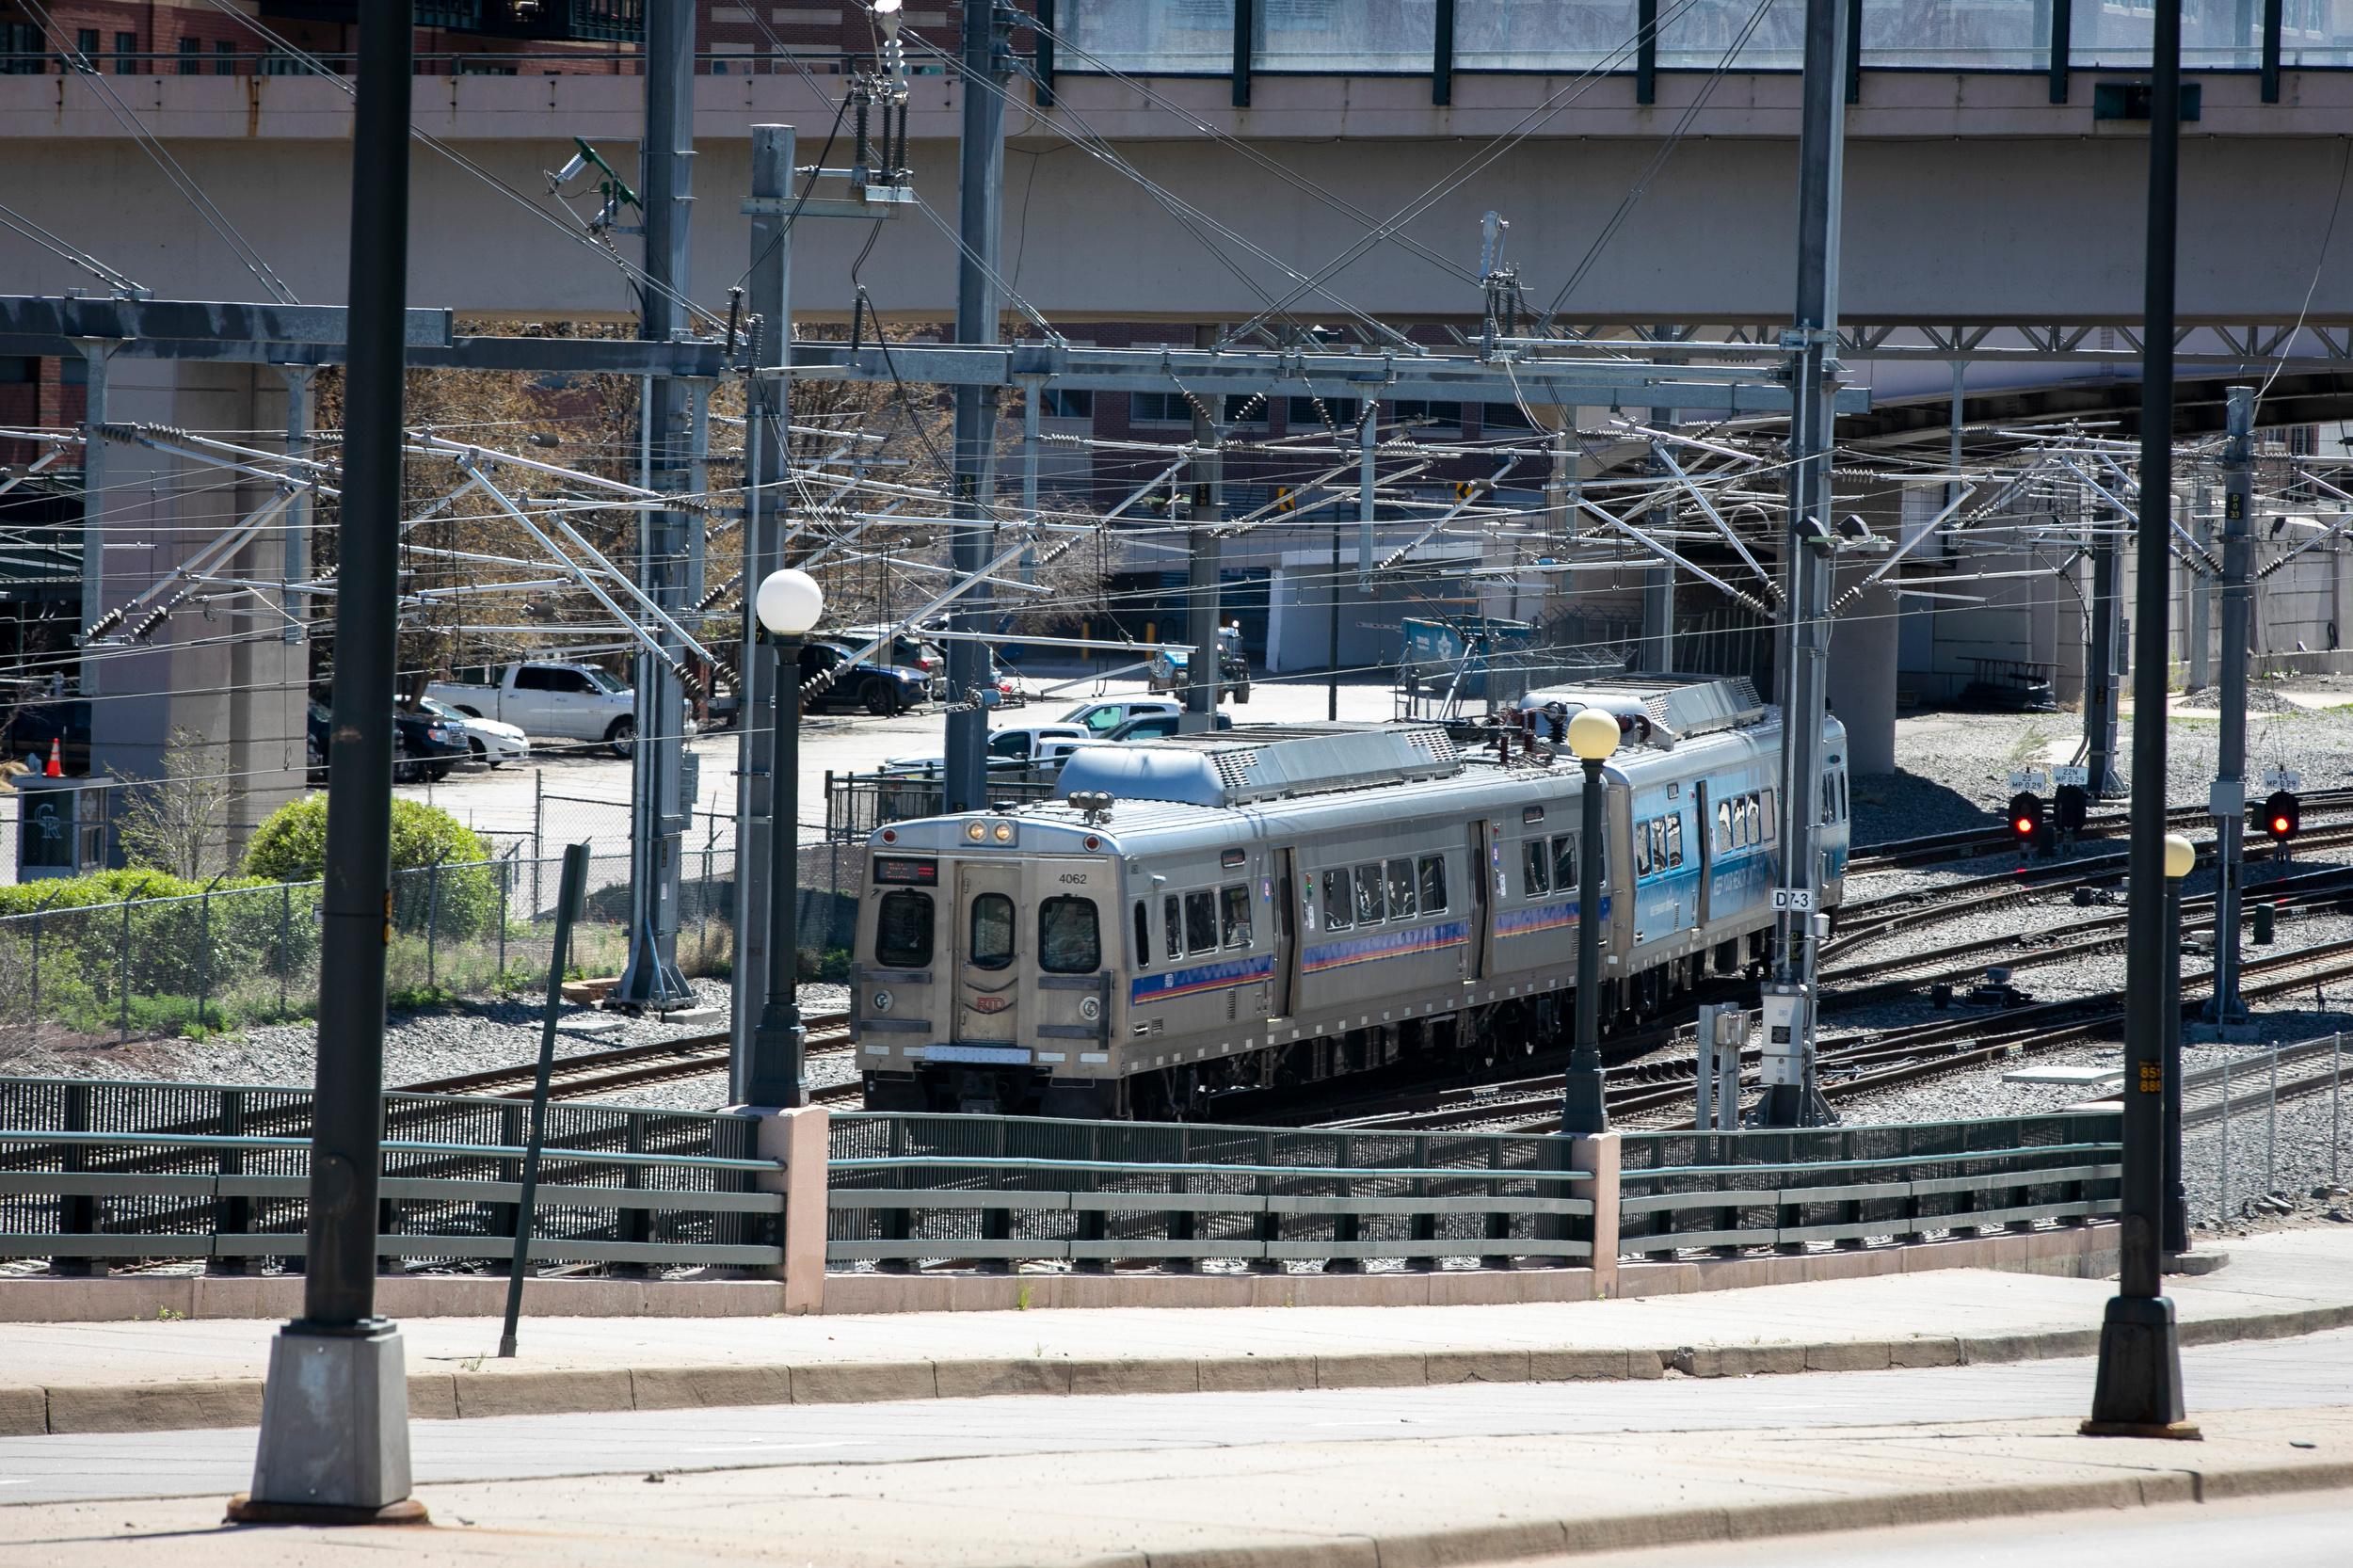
(246, 956)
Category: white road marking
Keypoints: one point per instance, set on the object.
(779, 1447)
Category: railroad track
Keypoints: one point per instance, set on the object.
(1862, 922)
(1971, 842)
(1855, 1067)
(599, 1073)
(1880, 980)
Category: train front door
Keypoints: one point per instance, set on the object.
(1285, 926)
(1486, 851)
(989, 960)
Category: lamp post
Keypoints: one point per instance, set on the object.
(2180, 856)
(1593, 737)
(788, 603)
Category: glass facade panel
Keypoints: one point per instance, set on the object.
(2316, 33)
(1957, 35)
(1344, 34)
(1699, 36)
(1543, 34)
(2216, 35)
(1168, 37)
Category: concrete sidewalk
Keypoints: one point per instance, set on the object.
(174, 1375)
(1278, 1505)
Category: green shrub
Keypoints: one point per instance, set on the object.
(459, 899)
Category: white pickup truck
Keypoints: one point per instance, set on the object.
(573, 702)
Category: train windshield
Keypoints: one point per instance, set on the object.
(903, 930)
(1068, 941)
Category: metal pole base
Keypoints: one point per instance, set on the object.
(1583, 1112)
(1791, 1105)
(2138, 1393)
(334, 1430)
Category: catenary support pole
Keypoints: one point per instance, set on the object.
(987, 63)
(2139, 1386)
(1204, 551)
(1790, 1098)
(2176, 1194)
(334, 1437)
(2228, 800)
(770, 302)
(2102, 684)
(657, 807)
(295, 560)
(1332, 631)
(2200, 596)
(95, 496)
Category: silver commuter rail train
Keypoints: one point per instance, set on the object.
(1284, 905)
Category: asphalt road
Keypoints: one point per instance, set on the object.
(2284, 1374)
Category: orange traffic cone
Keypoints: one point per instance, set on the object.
(55, 768)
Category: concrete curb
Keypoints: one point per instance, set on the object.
(1547, 1538)
(196, 1403)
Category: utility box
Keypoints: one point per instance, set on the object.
(1787, 1026)
(1723, 1034)
(61, 825)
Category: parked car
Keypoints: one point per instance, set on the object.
(1105, 715)
(1158, 726)
(1008, 750)
(30, 729)
(870, 683)
(490, 741)
(564, 701)
(906, 650)
(423, 748)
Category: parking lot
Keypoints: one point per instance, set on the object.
(548, 791)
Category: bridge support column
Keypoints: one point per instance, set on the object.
(1861, 675)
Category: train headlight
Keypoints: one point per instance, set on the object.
(976, 831)
(882, 1002)
(1090, 1008)
(1003, 834)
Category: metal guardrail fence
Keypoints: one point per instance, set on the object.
(1682, 1191)
(92, 1171)
(905, 1187)
(243, 957)
(2237, 1103)
(157, 1170)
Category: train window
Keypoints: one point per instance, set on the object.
(1766, 817)
(1747, 825)
(1173, 927)
(1402, 889)
(903, 930)
(1723, 826)
(1535, 870)
(1200, 922)
(1234, 913)
(992, 931)
(1844, 806)
(1337, 901)
(1564, 864)
(1371, 908)
(1675, 839)
(1068, 940)
(1434, 884)
(1642, 849)
(1143, 937)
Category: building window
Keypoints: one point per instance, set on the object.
(190, 50)
(1428, 415)
(1066, 402)
(224, 57)
(85, 43)
(1166, 408)
(27, 55)
(1504, 416)
(126, 54)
